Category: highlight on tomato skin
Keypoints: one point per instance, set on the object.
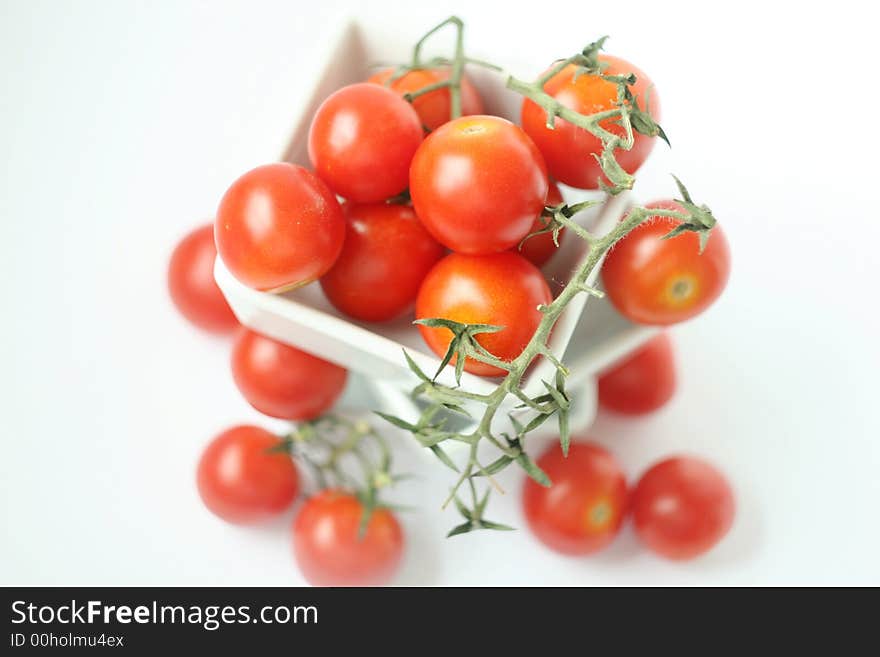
(501, 289)
(192, 286)
(583, 510)
(329, 549)
(243, 478)
(682, 507)
(434, 108)
(282, 381)
(478, 183)
(643, 381)
(656, 281)
(278, 227)
(362, 140)
(385, 257)
(568, 149)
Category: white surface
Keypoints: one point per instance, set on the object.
(120, 127)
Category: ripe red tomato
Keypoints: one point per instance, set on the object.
(568, 149)
(241, 480)
(278, 227)
(282, 381)
(477, 184)
(191, 283)
(433, 107)
(540, 248)
(329, 550)
(643, 381)
(682, 507)
(502, 289)
(362, 141)
(386, 255)
(583, 510)
(655, 281)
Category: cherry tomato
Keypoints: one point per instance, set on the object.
(655, 281)
(240, 478)
(362, 141)
(682, 507)
(329, 549)
(502, 289)
(583, 510)
(278, 227)
(191, 283)
(643, 381)
(386, 255)
(540, 248)
(478, 183)
(434, 108)
(568, 149)
(282, 381)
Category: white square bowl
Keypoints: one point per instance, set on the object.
(306, 319)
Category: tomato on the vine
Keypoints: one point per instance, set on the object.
(682, 507)
(502, 289)
(570, 151)
(582, 511)
(540, 248)
(244, 478)
(434, 107)
(282, 381)
(362, 140)
(478, 183)
(192, 286)
(652, 280)
(278, 227)
(330, 549)
(386, 255)
(643, 381)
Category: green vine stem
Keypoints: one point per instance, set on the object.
(430, 430)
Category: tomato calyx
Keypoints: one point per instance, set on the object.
(700, 219)
(464, 345)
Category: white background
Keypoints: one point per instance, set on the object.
(121, 124)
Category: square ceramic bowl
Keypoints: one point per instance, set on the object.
(588, 336)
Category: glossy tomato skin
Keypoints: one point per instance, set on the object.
(655, 281)
(643, 381)
(191, 283)
(478, 183)
(583, 510)
(362, 141)
(241, 481)
(278, 227)
(282, 381)
(540, 248)
(502, 289)
(568, 149)
(386, 255)
(682, 507)
(329, 550)
(433, 107)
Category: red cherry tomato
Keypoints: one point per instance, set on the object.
(655, 281)
(502, 289)
(362, 141)
(682, 507)
(568, 149)
(643, 381)
(240, 478)
(282, 381)
(434, 108)
(329, 550)
(583, 510)
(478, 183)
(191, 283)
(387, 254)
(278, 227)
(540, 248)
